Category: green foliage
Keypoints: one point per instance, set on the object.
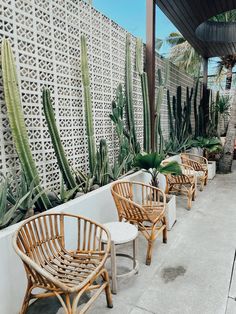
(175, 146)
(102, 167)
(162, 83)
(180, 129)
(211, 145)
(56, 141)
(146, 104)
(88, 105)
(19, 203)
(152, 163)
(129, 97)
(17, 123)
(223, 104)
(126, 152)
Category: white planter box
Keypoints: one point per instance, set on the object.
(97, 205)
(211, 169)
(171, 212)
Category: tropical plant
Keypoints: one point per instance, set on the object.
(17, 123)
(152, 164)
(227, 63)
(223, 104)
(183, 54)
(146, 105)
(56, 141)
(88, 106)
(210, 145)
(129, 97)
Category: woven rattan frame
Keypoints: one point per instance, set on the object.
(40, 243)
(183, 184)
(148, 215)
(199, 164)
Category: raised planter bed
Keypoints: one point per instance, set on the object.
(211, 169)
(97, 205)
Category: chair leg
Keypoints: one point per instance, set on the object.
(189, 200)
(164, 232)
(108, 290)
(27, 298)
(149, 252)
(113, 268)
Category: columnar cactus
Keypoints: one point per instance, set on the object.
(17, 123)
(88, 105)
(146, 105)
(56, 141)
(129, 96)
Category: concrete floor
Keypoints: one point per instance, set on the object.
(193, 272)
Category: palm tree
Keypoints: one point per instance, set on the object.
(227, 62)
(183, 54)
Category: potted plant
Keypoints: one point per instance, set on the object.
(152, 164)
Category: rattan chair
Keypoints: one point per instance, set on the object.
(200, 166)
(184, 183)
(144, 206)
(59, 265)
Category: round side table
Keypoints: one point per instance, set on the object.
(121, 233)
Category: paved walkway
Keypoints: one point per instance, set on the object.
(192, 273)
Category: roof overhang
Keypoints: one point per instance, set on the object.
(210, 39)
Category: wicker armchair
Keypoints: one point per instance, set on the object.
(199, 164)
(51, 263)
(184, 183)
(144, 206)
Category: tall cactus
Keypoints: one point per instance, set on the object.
(129, 96)
(146, 105)
(102, 169)
(56, 141)
(88, 105)
(162, 83)
(17, 123)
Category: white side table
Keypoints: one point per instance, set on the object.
(121, 233)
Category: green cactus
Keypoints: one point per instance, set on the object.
(146, 104)
(129, 97)
(102, 169)
(88, 106)
(56, 141)
(158, 137)
(195, 107)
(17, 123)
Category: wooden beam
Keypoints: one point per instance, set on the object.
(150, 59)
(205, 71)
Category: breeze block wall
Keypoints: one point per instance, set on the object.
(45, 35)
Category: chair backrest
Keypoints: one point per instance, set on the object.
(133, 198)
(186, 176)
(198, 163)
(42, 238)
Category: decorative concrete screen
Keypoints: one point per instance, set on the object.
(46, 39)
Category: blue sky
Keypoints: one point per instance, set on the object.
(131, 14)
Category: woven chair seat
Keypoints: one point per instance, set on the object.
(61, 269)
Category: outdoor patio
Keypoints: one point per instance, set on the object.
(107, 136)
(192, 273)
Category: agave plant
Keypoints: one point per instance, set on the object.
(152, 163)
(27, 194)
(18, 205)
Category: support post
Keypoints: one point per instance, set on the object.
(205, 94)
(150, 60)
(205, 71)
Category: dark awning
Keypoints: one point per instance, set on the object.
(190, 18)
